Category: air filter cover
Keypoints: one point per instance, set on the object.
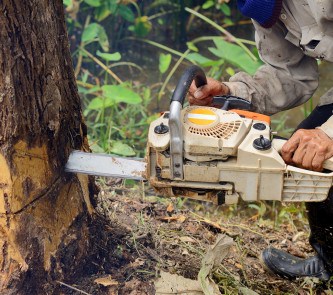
(211, 131)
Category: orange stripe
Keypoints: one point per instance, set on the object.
(253, 116)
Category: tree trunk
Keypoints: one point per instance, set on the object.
(44, 212)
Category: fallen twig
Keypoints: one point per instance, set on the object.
(73, 288)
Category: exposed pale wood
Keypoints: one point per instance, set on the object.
(44, 213)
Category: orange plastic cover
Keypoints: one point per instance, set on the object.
(253, 116)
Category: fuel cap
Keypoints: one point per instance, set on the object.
(262, 143)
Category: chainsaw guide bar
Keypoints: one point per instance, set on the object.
(106, 165)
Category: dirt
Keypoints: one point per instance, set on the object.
(144, 235)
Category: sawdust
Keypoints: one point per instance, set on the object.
(146, 237)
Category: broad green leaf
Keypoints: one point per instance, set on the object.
(165, 60)
(99, 103)
(90, 32)
(101, 13)
(112, 5)
(96, 104)
(96, 31)
(208, 4)
(204, 61)
(103, 39)
(225, 9)
(93, 90)
(96, 148)
(122, 149)
(142, 26)
(119, 94)
(198, 58)
(107, 8)
(213, 63)
(235, 55)
(109, 56)
(126, 13)
(93, 3)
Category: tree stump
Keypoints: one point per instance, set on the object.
(44, 212)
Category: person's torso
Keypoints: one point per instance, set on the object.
(310, 26)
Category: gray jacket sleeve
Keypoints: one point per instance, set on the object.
(288, 78)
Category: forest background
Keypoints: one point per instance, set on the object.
(128, 56)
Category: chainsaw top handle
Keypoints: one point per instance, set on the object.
(196, 74)
(193, 73)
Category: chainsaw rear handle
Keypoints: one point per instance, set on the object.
(196, 74)
(278, 144)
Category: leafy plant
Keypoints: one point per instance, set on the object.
(117, 118)
(219, 5)
(116, 111)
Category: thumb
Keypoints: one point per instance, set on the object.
(202, 92)
(213, 87)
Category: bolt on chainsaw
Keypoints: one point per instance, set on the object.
(216, 154)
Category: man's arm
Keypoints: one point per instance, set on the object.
(288, 78)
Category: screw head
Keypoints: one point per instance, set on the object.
(176, 174)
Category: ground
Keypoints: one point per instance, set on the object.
(146, 236)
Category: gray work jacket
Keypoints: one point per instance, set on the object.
(303, 33)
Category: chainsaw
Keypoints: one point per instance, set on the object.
(217, 154)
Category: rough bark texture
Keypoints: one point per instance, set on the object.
(44, 213)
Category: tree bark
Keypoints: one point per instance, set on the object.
(44, 213)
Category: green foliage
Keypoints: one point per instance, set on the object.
(118, 113)
(165, 60)
(118, 94)
(95, 32)
(142, 26)
(109, 56)
(219, 5)
(117, 118)
(279, 124)
(235, 55)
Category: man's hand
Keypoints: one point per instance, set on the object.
(308, 149)
(203, 96)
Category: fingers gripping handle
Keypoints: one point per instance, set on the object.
(278, 144)
(196, 74)
(193, 73)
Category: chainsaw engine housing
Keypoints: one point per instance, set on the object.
(227, 156)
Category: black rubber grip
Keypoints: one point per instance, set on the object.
(192, 73)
